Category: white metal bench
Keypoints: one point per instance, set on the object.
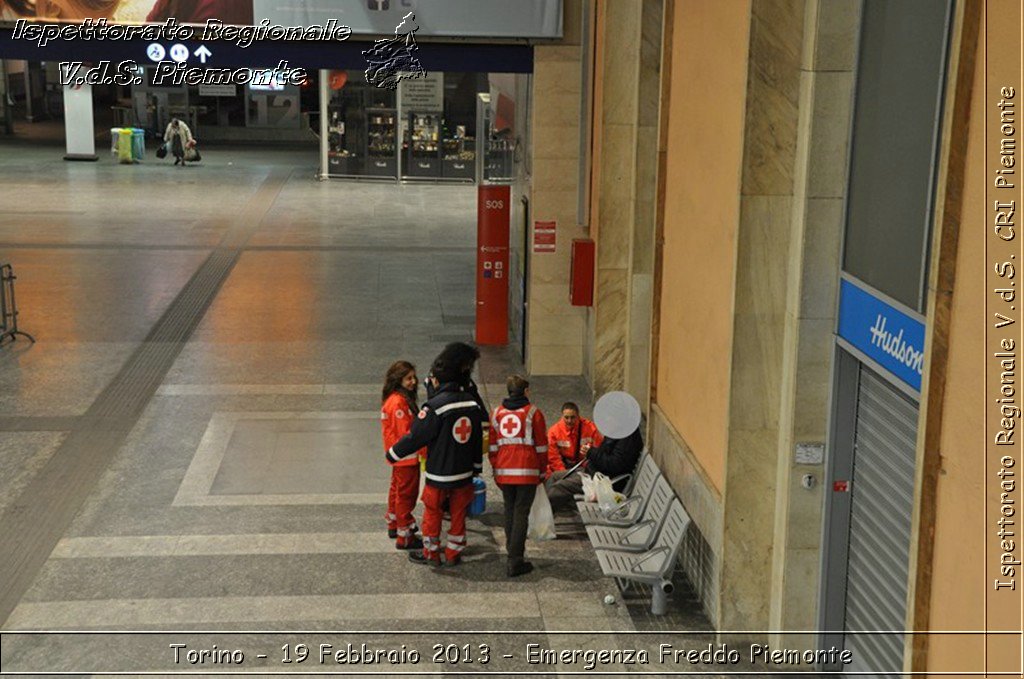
(630, 510)
(653, 567)
(640, 537)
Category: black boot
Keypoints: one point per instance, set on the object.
(517, 568)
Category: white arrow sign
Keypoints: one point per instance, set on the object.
(203, 54)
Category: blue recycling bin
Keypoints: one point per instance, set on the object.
(479, 504)
(138, 143)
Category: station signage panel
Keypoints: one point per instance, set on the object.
(887, 335)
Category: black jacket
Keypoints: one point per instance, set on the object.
(616, 456)
(450, 424)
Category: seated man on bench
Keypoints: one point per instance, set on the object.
(613, 457)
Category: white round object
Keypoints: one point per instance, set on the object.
(609, 599)
(617, 414)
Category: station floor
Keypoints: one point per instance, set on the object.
(193, 442)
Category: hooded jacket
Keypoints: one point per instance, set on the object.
(616, 456)
(518, 442)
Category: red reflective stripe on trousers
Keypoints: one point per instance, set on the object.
(459, 500)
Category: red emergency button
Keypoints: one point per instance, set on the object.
(841, 486)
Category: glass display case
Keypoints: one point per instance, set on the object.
(423, 151)
(342, 157)
(458, 159)
(381, 137)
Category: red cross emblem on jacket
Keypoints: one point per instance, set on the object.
(462, 429)
(518, 453)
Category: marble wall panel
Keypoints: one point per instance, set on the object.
(832, 44)
(747, 541)
(761, 271)
(552, 329)
(556, 359)
(611, 295)
(814, 363)
(621, 43)
(823, 233)
(828, 155)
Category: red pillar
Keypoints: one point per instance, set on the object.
(492, 220)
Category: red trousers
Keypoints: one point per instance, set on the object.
(405, 484)
(459, 500)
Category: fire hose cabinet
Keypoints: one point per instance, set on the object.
(581, 272)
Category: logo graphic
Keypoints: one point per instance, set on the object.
(510, 426)
(462, 429)
(391, 60)
(156, 52)
(179, 53)
(400, 414)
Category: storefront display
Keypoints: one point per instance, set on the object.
(458, 155)
(423, 152)
(421, 131)
(381, 133)
(341, 160)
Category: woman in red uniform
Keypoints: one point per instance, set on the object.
(396, 413)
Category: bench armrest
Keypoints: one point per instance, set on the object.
(657, 551)
(634, 529)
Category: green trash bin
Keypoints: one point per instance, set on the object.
(138, 143)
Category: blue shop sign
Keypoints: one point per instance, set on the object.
(888, 336)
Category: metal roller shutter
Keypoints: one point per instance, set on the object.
(882, 502)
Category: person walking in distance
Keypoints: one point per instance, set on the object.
(450, 425)
(177, 135)
(398, 403)
(518, 456)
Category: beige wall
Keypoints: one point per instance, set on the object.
(555, 329)
(705, 137)
(958, 578)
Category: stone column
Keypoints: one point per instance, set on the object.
(625, 179)
(555, 329)
(822, 155)
(763, 265)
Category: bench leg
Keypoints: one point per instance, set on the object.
(659, 597)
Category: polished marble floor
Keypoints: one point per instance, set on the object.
(192, 442)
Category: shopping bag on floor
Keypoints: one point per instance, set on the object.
(607, 498)
(542, 520)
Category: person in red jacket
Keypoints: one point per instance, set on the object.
(569, 439)
(518, 456)
(396, 416)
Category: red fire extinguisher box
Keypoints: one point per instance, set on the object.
(581, 273)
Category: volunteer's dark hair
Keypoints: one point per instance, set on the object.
(455, 363)
(393, 380)
(569, 405)
(516, 385)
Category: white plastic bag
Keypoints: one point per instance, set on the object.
(607, 498)
(589, 492)
(542, 520)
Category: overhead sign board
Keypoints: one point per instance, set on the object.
(441, 18)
